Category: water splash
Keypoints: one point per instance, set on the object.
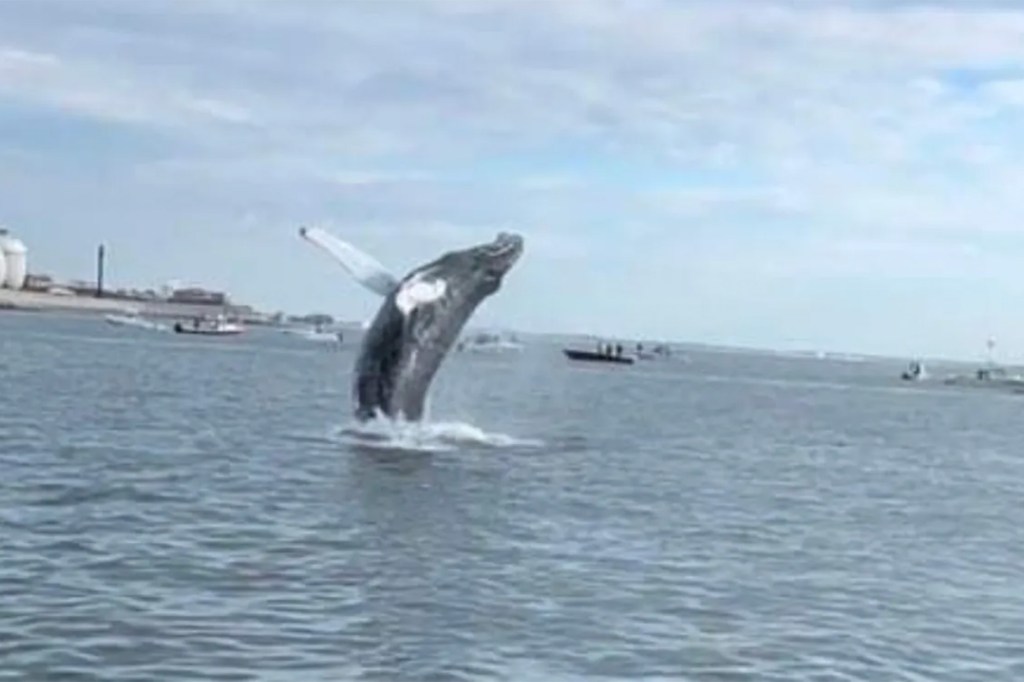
(385, 434)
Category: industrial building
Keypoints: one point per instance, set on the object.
(14, 261)
(38, 291)
(198, 296)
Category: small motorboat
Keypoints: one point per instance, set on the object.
(592, 356)
(317, 334)
(989, 377)
(133, 320)
(659, 351)
(915, 372)
(490, 343)
(217, 326)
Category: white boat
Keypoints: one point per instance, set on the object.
(660, 350)
(215, 326)
(133, 320)
(992, 376)
(490, 343)
(319, 334)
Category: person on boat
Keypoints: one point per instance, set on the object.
(618, 350)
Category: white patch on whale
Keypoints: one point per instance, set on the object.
(418, 291)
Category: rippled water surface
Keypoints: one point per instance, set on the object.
(183, 508)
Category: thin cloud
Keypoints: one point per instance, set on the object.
(661, 144)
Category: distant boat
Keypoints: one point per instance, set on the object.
(995, 377)
(915, 372)
(989, 376)
(217, 326)
(318, 335)
(591, 356)
(133, 320)
(489, 343)
(659, 351)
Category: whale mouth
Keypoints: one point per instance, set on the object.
(504, 251)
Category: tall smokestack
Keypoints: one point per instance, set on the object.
(100, 255)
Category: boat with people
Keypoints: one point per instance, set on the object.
(989, 377)
(209, 326)
(604, 353)
(591, 356)
(658, 351)
(915, 372)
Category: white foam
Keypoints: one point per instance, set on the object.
(418, 291)
(387, 434)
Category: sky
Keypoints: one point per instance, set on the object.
(774, 173)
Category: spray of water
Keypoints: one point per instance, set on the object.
(384, 434)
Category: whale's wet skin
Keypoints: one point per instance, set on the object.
(419, 321)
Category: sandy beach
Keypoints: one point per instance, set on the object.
(46, 302)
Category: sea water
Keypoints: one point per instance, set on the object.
(194, 508)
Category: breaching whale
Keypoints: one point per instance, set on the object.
(419, 320)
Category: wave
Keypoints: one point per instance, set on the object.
(385, 434)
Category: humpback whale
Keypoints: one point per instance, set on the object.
(420, 318)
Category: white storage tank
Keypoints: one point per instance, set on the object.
(15, 259)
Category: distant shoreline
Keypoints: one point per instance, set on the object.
(43, 302)
(40, 302)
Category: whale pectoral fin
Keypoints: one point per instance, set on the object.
(366, 270)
